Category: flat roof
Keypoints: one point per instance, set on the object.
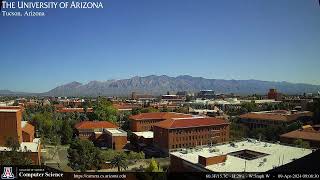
(116, 132)
(9, 110)
(31, 146)
(144, 134)
(278, 155)
(113, 131)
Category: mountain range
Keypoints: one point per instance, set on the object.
(157, 85)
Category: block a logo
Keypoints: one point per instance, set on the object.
(7, 173)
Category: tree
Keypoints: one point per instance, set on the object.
(15, 155)
(135, 111)
(294, 126)
(120, 161)
(83, 155)
(44, 124)
(135, 156)
(184, 110)
(15, 103)
(248, 107)
(149, 110)
(66, 132)
(238, 131)
(103, 110)
(315, 108)
(154, 166)
(302, 144)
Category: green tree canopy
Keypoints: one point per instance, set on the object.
(154, 166)
(104, 111)
(83, 155)
(15, 155)
(120, 161)
(66, 132)
(302, 144)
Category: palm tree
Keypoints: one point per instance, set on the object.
(119, 161)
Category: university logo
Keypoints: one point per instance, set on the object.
(7, 173)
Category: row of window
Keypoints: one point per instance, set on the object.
(258, 121)
(148, 122)
(197, 130)
(146, 128)
(193, 144)
(195, 137)
(86, 134)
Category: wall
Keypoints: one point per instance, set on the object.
(179, 165)
(10, 126)
(212, 160)
(161, 138)
(119, 142)
(189, 137)
(143, 125)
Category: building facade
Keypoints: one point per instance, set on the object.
(278, 117)
(146, 121)
(102, 133)
(310, 134)
(182, 133)
(12, 126)
(242, 156)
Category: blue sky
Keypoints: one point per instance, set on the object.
(276, 40)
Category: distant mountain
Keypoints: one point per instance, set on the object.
(11, 93)
(157, 85)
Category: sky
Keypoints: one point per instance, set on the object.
(274, 40)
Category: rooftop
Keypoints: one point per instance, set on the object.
(116, 132)
(159, 115)
(144, 134)
(308, 133)
(267, 156)
(30, 146)
(190, 122)
(95, 125)
(9, 110)
(278, 115)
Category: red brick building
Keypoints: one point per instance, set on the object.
(146, 121)
(102, 133)
(125, 106)
(180, 133)
(278, 117)
(11, 125)
(273, 94)
(307, 133)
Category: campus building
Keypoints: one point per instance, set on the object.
(243, 156)
(146, 121)
(273, 94)
(178, 133)
(102, 133)
(12, 126)
(310, 134)
(142, 139)
(278, 117)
